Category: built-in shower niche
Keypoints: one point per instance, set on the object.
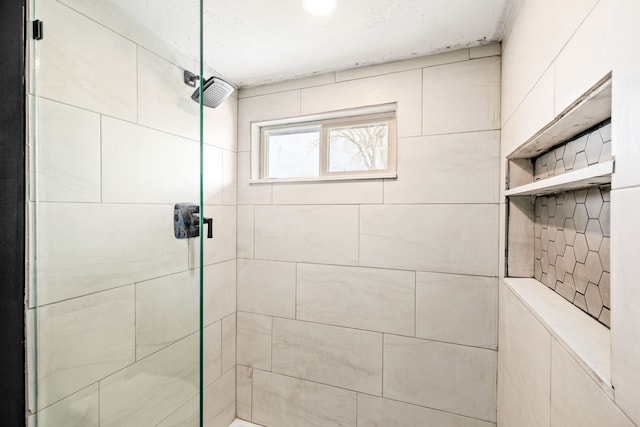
(558, 207)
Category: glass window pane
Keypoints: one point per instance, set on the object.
(293, 152)
(358, 148)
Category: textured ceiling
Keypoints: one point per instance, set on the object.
(250, 42)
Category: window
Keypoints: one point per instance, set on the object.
(351, 144)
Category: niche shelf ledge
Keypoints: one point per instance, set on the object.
(598, 174)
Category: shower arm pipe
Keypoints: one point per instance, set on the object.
(189, 78)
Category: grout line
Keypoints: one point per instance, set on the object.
(382, 370)
(101, 161)
(295, 299)
(415, 303)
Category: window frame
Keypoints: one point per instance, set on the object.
(385, 113)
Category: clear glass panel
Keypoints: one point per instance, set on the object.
(358, 148)
(116, 332)
(293, 152)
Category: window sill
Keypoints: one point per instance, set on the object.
(586, 340)
(370, 176)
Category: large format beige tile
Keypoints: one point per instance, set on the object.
(229, 339)
(83, 340)
(377, 412)
(281, 401)
(440, 238)
(264, 107)
(402, 88)
(249, 194)
(229, 177)
(323, 234)
(267, 287)
(166, 311)
(346, 358)
(461, 97)
(589, 52)
(575, 399)
(148, 391)
(525, 353)
(219, 291)
(510, 406)
(78, 410)
(457, 309)
(85, 248)
(67, 157)
(364, 298)
(212, 352)
(157, 168)
(245, 231)
(456, 168)
(328, 193)
(83, 64)
(254, 340)
(625, 299)
(453, 378)
(244, 389)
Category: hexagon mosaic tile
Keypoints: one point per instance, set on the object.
(593, 147)
(572, 248)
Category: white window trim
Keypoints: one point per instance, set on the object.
(354, 116)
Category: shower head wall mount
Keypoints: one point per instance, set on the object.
(214, 90)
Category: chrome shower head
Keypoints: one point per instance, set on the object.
(214, 90)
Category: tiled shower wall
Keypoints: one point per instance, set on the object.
(114, 295)
(373, 303)
(572, 229)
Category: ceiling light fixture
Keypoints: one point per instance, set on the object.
(320, 7)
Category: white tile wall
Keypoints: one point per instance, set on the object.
(461, 97)
(163, 381)
(254, 340)
(219, 291)
(325, 234)
(328, 193)
(245, 231)
(267, 287)
(377, 412)
(77, 410)
(100, 63)
(222, 247)
(449, 377)
(455, 168)
(102, 326)
(331, 355)
(229, 342)
(284, 401)
(244, 385)
(363, 298)
(68, 154)
(442, 238)
(457, 309)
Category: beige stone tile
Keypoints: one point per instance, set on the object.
(461, 97)
(422, 237)
(377, 412)
(212, 352)
(229, 341)
(229, 177)
(222, 247)
(104, 248)
(363, 298)
(164, 381)
(284, 233)
(286, 401)
(249, 194)
(576, 399)
(244, 390)
(402, 88)
(219, 291)
(457, 309)
(453, 378)
(254, 340)
(68, 154)
(78, 410)
(456, 168)
(342, 357)
(328, 193)
(71, 69)
(525, 352)
(101, 325)
(245, 231)
(267, 287)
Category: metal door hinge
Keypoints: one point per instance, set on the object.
(37, 30)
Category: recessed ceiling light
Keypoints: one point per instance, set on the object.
(320, 7)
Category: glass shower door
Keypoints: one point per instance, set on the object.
(121, 332)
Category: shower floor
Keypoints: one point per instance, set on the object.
(242, 423)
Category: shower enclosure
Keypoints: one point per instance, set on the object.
(130, 322)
